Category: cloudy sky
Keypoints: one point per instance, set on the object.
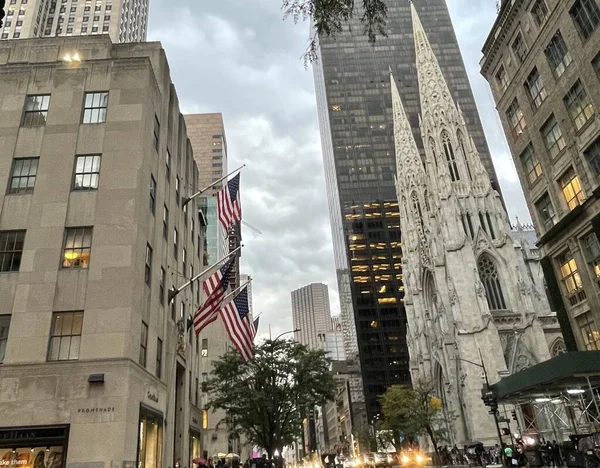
(238, 57)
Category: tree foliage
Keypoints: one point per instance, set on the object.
(265, 397)
(330, 16)
(414, 412)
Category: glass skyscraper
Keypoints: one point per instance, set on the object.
(355, 117)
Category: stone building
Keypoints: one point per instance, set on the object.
(472, 303)
(122, 20)
(542, 60)
(97, 368)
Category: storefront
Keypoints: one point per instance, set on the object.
(34, 446)
(195, 434)
(150, 439)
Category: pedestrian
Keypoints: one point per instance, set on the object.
(556, 454)
(508, 455)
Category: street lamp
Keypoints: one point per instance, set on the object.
(286, 333)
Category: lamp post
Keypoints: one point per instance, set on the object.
(286, 333)
(494, 411)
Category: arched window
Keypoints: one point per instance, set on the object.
(416, 209)
(464, 153)
(488, 274)
(450, 158)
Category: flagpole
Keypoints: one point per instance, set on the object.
(186, 200)
(174, 291)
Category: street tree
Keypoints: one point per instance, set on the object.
(330, 16)
(266, 397)
(413, 412)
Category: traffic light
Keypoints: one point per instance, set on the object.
(489, 400)
(2, 12)
(514, 414)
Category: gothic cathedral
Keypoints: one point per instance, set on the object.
(469, 294)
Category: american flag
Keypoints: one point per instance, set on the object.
(214, 287)
(228, 203)
(239, 327)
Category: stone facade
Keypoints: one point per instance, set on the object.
(469, 295)
(95, 356)
(553, 83)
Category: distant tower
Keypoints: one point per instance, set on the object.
(311, 314)
(468, 291)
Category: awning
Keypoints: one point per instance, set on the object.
(563, 372)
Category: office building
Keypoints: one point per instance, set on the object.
(97, 366)
(355, 118)
(310, 313)
(542, 62)
(122, 20)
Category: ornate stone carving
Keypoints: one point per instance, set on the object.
(180, 336)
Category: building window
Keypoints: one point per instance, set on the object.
(592, 155)
(488, 273)
(519, 48)
(586, 15)
(589, 332)
(148, 267)
(175, 245)
(553, 138)
(4, 326)
(11, 245)
(579, 105)
(159, 351)
(539, 12)
(545, 210)
(516, 119)
(571, 189)
(152, 194)
(156, 133)
(450, 158)
(197, 392)
(531, 164)
(87, 172)
(163, 282)
(36, 110)
(77, 249)
(592, 252)
(168, 165)
(535, 88)
(65, 336)
(557, 54)
(24, 172)
(144, 344)
(165, 222)
(596, 63)
(94, 110)
(182, 310)
(183, 260)
(204, 347)
(570, 277)
(177, 190)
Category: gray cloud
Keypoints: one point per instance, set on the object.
(238, 57)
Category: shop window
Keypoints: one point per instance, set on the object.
(516, 119)
(143, 344)
(4, 326)
(586, 15)
(150, 441)
(571, 278)
(87, 172)
(23, 175)
(488, 274)
(11, 250)
(545, 210)
(77, 248)
(579, 105)
(531, 164)
(571, 189)
(557, 54)
(25, 457)
(65, 336)
(36, 110)
(553, 138)
(535, 88)
(589, 332)
(94, 107)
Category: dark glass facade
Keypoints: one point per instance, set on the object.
(355, 118)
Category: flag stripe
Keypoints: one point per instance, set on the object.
(229, 208)
(214, 287)
(235, 316)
